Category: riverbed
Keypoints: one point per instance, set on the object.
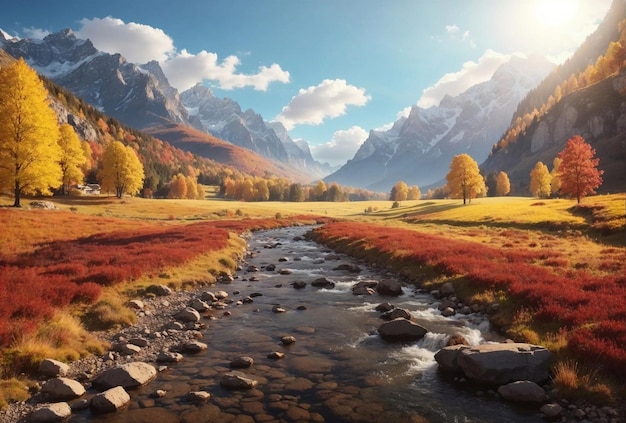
(338, 370)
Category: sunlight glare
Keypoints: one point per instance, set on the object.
(555, 13)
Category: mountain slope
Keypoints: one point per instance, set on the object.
(418, 149)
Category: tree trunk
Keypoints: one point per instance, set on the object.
(18, 193)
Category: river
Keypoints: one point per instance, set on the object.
(338, 370)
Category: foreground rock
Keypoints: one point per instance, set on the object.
(401, 329)
(522, 391)
(61, 389)
(237, 380)
(497, 364)
(129, 375)
(110, 400)
(53, 368)
(389, 287)
(56, 412)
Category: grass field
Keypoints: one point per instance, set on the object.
(77, 257)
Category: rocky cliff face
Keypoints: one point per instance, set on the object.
(418, 149)
(597, 113)
(223, 118)
(138, 97)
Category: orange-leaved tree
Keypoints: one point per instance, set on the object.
(540, 181)
(578, 172)
(399, 192)
(29, 152)
(464, 179)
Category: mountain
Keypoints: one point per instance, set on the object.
(141, 97)
(223, 118)
(418, 148)
(138, 97)
(593, 105)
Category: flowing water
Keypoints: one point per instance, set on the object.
(338, 370)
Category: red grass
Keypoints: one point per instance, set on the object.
(575, 298)
(59, 270)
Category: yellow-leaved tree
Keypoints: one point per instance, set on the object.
(414, 193)
(73, 157)
(503, 185)
(122, 172)
(540, 181)
(29, 131)
(399, 192)
(464, 179)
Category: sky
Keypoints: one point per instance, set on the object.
(329, 70)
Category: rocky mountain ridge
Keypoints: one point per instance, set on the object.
(418, 148)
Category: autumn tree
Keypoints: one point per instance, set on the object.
(578, 172)
(192, 187)
(334, 193)
(319, 192)
(503, 185)
(464, 179)
(122, 171)
(540, 181)
(399, 192)
(29, 134)
(178, 187)
(555, 182)
(72, 158)
(414, 193)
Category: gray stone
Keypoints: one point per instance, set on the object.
(276, 355)
(446, 289)
(140, 342)
(522, 391)
(193, 347)
(242, 362)
(288, 340)
(384, 307)
(551, 410)
(208, 296)
(200, 305)
(129, 375)
(188, 314)
(401, 330)
(323, 283)
(135, 304)
(237, 380)
(110, 400)
(497, 364)
(128, 349)
(389, 287)
(169, 357)
(298, 284)
(50, 367)
(448, 311)
(51, 413)
(198, 396)
(61, 389)
(397, 313)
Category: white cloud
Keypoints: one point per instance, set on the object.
(140, 43)
(35, 33)
(341, 147)
(470, 74)
(452, 29)
(184, 70)
(329, 99)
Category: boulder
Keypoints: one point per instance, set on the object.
(283, 259)
(39, 204)
(457, 340)
(237, 380)
(169, 357)
(497, 364)
(401, 330)
(276, 355)
(221, 295)
(139, 341)
(242, 362)
(323, 283)
(193, 347)
(128, 349)
(110, 400)
(384, 307)
(288, 340)
(53, 368)
(389, 287)
(363, 290)
(348, 267)
(446, 289)
(522, 391)
(188, 314)
(198, 396)
(199, 305)
(62, 388)
(551, 410)
(298, 284)
(208, 296)
(285, 272)
(448, 311)
(397, 313)
(161, 290)
(129, 375)
(135, 304)
(270, 267)
(51, 413)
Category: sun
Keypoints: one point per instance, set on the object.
(555, 13)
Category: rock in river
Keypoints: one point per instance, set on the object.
(401, 329)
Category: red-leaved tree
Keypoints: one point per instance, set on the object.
(578, 173)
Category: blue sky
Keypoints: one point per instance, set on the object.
(330, 70)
